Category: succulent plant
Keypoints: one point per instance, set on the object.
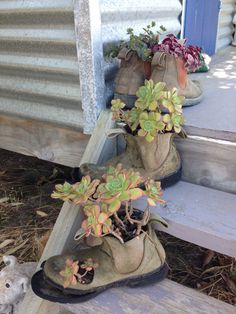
(150, 125)
(70, 272)
(119, 188)
(141, 44)
(172, 45)
(79, 192)
(102, 200)
(157, 110)
(89, 264)
(97, 221)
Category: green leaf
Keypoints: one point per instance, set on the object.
(114, 206)
(102, 218)
(141, 132)
(149, 137)
(136, 193)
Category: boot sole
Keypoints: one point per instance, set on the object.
(129, 100)
(48, 290)
(192, 101)
(171, 179)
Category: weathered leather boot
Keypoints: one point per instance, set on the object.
(137, 262)
(166, 68)
(129, 77)
(158, 160)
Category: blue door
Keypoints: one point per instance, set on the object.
(201, 22)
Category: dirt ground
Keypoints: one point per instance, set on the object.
(27, 215)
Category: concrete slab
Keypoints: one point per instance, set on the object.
(215, 116)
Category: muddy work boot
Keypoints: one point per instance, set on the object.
(129, 78)
(166, 68)
(137, 262)
(158, 160)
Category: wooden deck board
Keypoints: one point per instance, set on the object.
(43, 140)
(199, 215)
(208, 162)
(166, 297)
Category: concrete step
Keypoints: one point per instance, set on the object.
(166, 297)
(199, 215)
(209, 162)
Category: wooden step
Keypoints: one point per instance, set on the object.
(166, 297)
(199, 215)
(208, 162)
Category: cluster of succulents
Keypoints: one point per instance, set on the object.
(74, 271)
(172, 45)
(156, 110)
(102, 200)
(141, 43)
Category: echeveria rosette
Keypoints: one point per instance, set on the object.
(150, 124)
(78, 193)
(149, 96)
(70, 273)
(177, 48)
(172, 101)
(118, 189)
(153, 192)
(97, 222)
(173, 121)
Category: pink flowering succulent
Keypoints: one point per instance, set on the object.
(177, 48)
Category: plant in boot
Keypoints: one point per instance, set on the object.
(170, 63)
(135, 66)
(148, 129)
(147, 119)
(129, 252)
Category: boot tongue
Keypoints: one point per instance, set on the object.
(127, 257)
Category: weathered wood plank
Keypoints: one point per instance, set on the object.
(166, 297)
(43, 140)
(209, 162)
(69, 219)
(199, 215)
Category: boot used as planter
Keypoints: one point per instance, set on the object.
(130, 76)
(172, 59)
(149, 135)
(135, 62)
(126, 250)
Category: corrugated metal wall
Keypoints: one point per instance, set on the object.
(39, 76)
(39, 65)
(118, 15)
(225, 26)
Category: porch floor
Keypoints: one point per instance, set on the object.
(215, 115)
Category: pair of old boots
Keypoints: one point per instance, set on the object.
(164, 68)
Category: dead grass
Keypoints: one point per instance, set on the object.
(27, 216)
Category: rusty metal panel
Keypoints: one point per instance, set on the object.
(225, 25)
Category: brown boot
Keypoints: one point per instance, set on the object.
(129, 77)
(166, 68)
(158, 160)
